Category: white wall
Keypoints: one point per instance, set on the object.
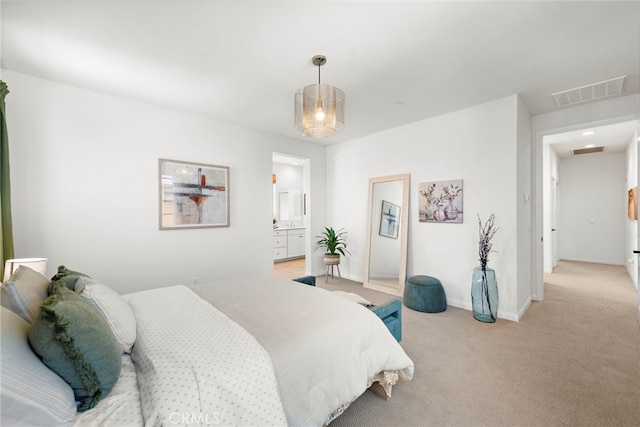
(592, 208)
(84, 178)
(524, 209)
(480, 145)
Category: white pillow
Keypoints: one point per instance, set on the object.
(24, 292)
(113, 308)
(31, 394)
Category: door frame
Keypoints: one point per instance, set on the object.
(305, 163)
(538, 133)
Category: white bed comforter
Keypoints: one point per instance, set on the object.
(326, 350)
(195, 366)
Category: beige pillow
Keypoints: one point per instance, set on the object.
(24, 292)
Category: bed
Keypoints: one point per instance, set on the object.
(254, 350)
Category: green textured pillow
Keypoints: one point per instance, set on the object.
(74, 341)
(69, 277)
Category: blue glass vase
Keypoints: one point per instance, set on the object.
(484, 295)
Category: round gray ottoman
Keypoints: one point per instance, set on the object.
(424, 293)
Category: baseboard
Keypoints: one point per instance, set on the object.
(466, 305)
(593, 261)
(459, 304)
(335, 275)
(524, 308)
(355, 278)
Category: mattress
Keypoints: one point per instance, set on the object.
(324, 350)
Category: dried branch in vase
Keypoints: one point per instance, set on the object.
(486, 232)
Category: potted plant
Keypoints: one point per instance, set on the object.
(484, 287)
(334, 244)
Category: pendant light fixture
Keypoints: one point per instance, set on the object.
(319, 107)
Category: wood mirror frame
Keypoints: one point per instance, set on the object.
(385, 266)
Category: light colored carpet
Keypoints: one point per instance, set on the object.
(573, 360)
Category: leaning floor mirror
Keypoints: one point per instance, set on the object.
(386, 257)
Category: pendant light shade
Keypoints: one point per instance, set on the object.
(319, 107)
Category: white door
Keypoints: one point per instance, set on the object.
(637, 248)
(554, 222)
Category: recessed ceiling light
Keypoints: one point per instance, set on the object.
(588, 132)
(589, 145)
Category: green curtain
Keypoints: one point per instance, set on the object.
(6, 227)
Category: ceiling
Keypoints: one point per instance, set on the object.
(614, 137)
(398, 62)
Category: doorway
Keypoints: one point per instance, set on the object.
(614, 135)
(291, 200)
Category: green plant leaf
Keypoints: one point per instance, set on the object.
(332, 241)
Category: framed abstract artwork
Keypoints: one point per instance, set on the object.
(389, 220)
(193, 195)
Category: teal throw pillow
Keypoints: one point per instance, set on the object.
(73, 339)
(69, 277)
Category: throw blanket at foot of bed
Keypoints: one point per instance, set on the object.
(195, 366)
(326, 350)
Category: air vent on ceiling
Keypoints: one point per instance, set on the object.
(590, 92)
(588, 150)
